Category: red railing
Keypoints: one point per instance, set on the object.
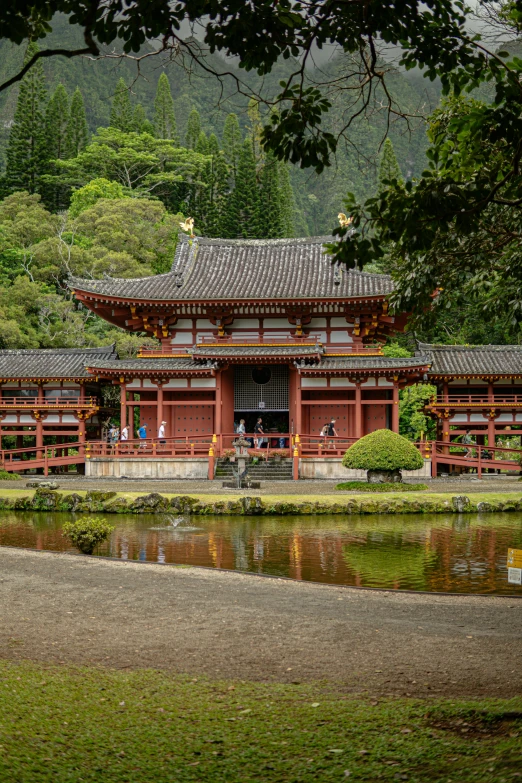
(51, 402)
(17, 460)
(145, 448)
(482, 458)
(476, 400)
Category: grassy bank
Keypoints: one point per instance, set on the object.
(232, 504)
(97, 726)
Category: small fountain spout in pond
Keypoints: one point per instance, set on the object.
(176, 521)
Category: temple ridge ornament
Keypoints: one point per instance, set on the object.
(188, 226)
(344, 222)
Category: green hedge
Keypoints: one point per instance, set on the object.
(364, 486)
(383, 450)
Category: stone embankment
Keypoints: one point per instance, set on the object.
(154, 503)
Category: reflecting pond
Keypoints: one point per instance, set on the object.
(446, 553)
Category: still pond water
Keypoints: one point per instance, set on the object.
(463, 554)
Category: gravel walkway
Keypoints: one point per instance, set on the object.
(69, 609)
(71, 484)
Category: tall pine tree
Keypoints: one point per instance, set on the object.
(243, 214)
(26, 150)
(164, 117)
(271, 223)
(55, 195)
(288, 204)
(232, 142)
(77, 131)
(193, 130)
(121, 111)
(389, 168)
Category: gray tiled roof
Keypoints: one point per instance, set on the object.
(53, 363)
(461, 360)
(148, 364)
(237, 269)
(352, 363)
(232, 351)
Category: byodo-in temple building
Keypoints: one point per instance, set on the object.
(249, 329)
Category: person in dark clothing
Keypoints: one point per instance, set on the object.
(259, 432)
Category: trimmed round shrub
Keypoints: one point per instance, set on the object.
(87, 532)
(383, 450)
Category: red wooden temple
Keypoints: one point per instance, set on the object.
(248, 329)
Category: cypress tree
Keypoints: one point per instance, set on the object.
(271, 208)
(26, 149)
(288, 204)
(121, 111)
(164, 117)
(139, 119)
(57, 123)
(218, 197)
(232, 141)
(193, 130)
(389, 168)
(243, 213)
(213, 145)
(77, 131)
(202, 143)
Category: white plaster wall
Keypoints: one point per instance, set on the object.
(341, 382)
(164, 468)
(182, 338)
(203, 383)
(328, 468)
(176, 383)
(308, 383)
(341, 337)
(246, 323)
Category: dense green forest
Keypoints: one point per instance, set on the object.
(99, 164)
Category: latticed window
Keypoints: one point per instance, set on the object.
(261, 387)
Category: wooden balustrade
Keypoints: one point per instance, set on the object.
(50, 402)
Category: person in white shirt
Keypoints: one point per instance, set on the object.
(124, 433)
(161, 433)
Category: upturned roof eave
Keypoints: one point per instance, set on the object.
(103, 297)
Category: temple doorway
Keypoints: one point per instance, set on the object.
(262, 390)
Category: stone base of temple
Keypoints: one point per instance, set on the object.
(133, 467)
(332, 469)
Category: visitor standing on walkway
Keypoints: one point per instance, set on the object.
(259, 431)
(142, 435)
(241, 429)
(161, 433)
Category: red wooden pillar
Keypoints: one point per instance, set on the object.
(39, 430)
(491, 430)
(159, 409)
(82, 392)
(395, 407)
(218, 407)
(358, 411)
(130, 422)
(298, 406)
(123, 404)
(445, 391)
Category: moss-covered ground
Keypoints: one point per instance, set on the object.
(60, 724)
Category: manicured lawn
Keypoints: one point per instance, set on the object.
(99, 726)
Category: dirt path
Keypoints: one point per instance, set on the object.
(66, 609)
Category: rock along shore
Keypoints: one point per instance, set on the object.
(154, 503)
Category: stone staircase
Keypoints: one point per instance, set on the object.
(262, 471)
